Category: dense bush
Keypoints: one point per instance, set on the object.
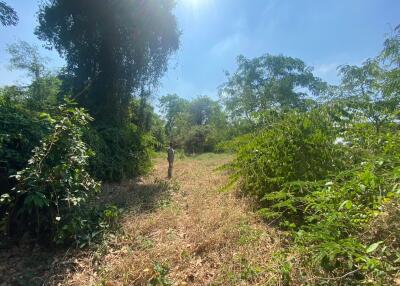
(327, 171)
(52, 189)
(326, 184)
(21, 131)
(275, 163)
(120, 152)
(339, 211)
(195, 126)
(200, 139)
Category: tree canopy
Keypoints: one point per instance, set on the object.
(172, 107)
(113, 48)
(25, 56)
(8, 16)
(268, 82)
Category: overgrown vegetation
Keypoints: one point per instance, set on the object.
(52, 188)
(53, 156)
(195, 126)
(319, 162)
(326, 173)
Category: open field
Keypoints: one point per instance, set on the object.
(194, 236)
(178, 232)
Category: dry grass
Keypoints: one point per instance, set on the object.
(183, 231)
(196, 234)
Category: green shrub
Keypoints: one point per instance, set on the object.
(200, 139)
(339, 212)
(327, 191)
(120, 152)
(21, 131)
(52, 190)
(278, 164)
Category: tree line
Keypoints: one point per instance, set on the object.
(91, 121)
(322, 162)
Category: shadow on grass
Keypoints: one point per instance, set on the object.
(30, 264)
(139, 197)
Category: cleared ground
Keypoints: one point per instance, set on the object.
(178, 232)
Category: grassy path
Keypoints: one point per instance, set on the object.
(179, 232)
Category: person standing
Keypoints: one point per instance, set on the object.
(171, 157)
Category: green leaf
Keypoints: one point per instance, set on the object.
(347, 204)
(373, 246)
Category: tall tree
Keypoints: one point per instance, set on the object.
(25, 56)
(172, 107)
(268, 82)
(390, 57)
(44, 88)
(372, 89)
(205, 111)
(113, 48)
(8, 16)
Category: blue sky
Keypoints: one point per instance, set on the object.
(324, 33)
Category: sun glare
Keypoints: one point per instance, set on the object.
(195, 4)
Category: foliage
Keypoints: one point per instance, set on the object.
(196, 125)
(120, 152)
(205, 111)
(337, 214)
(21, 131)
(364, 95)
(142, 115)
(8, 16)
(115, 53)
(172, 107)
(26, 57)
(158, 133)
(43, 92)
(199, 140)
(327, 191)
(53, 188)
(276, 163)
(329, 172)
(112, 49)
(269, 82)
(159, 278)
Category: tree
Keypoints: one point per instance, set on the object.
(199, 139)
(362, 92)
(203, 110)
(372, 89)
(25, 56)
(195, 125)
(44, 88)
(172, 107)
(149, 122)
(8, 16)
(112, 48)
(390, 58)
(268, 82)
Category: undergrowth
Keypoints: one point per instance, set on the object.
(327, 194)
